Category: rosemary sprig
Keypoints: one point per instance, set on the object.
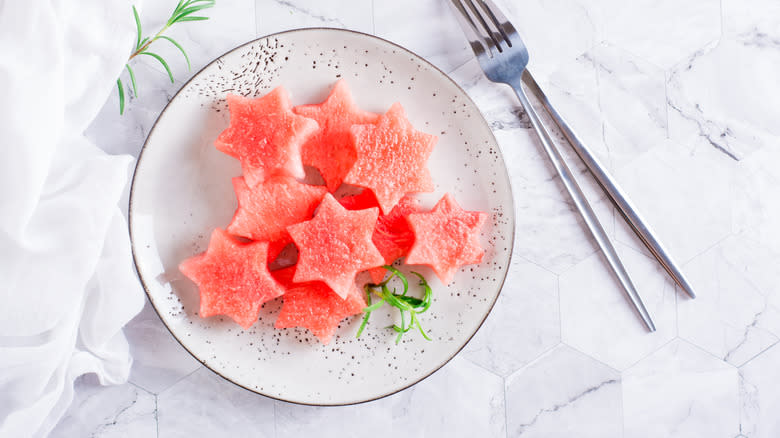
(403, 302)
(183, 12)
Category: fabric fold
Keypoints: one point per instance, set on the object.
(68, 280)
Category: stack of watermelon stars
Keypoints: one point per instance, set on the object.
(335, 239)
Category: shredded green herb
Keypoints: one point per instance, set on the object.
(404, 303)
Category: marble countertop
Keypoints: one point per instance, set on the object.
(679, 100)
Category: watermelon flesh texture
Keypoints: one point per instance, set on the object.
(335, 245)
(233, 278)
(265, 211)
(330, 149)
(446, 238)
(392, 235)
(314, 306)
(266, 136)
(391, 158)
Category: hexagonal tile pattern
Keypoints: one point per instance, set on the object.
(444, 45)
(522, 325)
(659, 30)
(632, 99)
(108, 411)
(159, 360)
(760, 397)
(598, 319)
(666, 185)
(738, 119)
(686, 119)
(461, 399)
(681, 391)
(563, 394)
(277, 16)
(182, 408)
(729, 318)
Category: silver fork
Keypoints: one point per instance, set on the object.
(504, 58)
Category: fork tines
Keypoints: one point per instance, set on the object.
(489, 28)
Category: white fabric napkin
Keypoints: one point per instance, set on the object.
(67, 285)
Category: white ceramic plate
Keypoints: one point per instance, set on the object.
(182, 191)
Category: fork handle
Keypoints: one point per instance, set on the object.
(613, 190)
(583, 206)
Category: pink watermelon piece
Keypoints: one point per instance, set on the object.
(266, 136)
(265, 211)
(314, 306)
(391, 158)
(392, 235)
(446, 238)
(330, 149)
(335, 245)
(233, 278)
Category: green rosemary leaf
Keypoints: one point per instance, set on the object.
(182, 12)
(121, 96)
(189, 67)
(187, 11)
(162, 61)
(132, 79)
(181, 20)
(137, 27)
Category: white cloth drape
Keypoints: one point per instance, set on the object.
(67, 285)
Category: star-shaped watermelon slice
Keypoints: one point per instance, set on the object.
(266, 136)
(233, 278)
(391, 158)
(335, 245)
(446, 238)
(314, 306)
(330, 149)
(392, 235)
(265, 211)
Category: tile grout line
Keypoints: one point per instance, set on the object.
(593, 358)
(200, 367)
(761, 353)
(482, 367)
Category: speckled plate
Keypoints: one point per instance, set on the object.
(182, 190)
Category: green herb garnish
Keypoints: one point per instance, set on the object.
(183, 12)
(403, 302)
